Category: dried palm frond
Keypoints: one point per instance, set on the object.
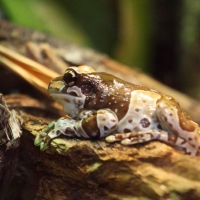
(36, 74)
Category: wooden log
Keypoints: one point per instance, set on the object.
(94, 169)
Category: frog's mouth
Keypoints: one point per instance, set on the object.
(72, 99)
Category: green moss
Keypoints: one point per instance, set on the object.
(94, 167)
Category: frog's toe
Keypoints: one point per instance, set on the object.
(38, 140)
(43, 146)
(126, 142)
(110, 138)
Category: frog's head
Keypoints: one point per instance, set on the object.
(67, 89)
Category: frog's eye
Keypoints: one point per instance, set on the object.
(70, 77)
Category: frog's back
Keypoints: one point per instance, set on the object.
(117, 85)
(127, 100)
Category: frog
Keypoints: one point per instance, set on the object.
(101, 105)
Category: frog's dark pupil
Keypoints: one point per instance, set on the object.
(70, 77)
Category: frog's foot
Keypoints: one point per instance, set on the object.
(145, 136)
(39, 137)
(54, 130)
(45, 136)
(47, 139)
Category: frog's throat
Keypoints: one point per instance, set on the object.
(72, 104)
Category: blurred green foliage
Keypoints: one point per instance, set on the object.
(159, 37)
(119, 28)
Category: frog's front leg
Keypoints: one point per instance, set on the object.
(90, 124)
(53, 130)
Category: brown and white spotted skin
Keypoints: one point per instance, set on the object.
(102, 105)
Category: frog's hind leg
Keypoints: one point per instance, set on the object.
(173, 120)
(148, 135)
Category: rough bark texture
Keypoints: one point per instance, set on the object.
(85, 169)
(73, 169)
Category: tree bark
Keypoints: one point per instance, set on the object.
(94, 169)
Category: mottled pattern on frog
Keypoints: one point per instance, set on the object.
(141, 114)
(98, 123)
(102, 91)
(170, 112)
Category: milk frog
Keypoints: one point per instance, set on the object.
(102, 105)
